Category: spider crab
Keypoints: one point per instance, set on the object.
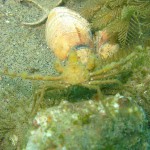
(69, 36)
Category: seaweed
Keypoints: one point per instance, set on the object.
(14, 121)
(125, 18)
(140, 80)
(128, 19)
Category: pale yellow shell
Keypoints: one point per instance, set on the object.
(66, 30)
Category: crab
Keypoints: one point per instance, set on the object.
(72, 43)
(74, 72)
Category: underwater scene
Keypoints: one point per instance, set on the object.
(74, 75)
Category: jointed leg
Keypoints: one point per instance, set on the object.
(112, 66)
(109, 81)
(38, 98)
(100, 95)
(30, 77)
(105, 76)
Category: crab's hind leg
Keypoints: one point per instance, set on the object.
(39, 95)
(100, 95)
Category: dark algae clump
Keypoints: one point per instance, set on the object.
(75, 118)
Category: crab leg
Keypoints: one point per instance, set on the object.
(31, 77)
(93, 87)
(103, 76)
(109, 81)
(112, 66)
(100, 95)
(38, 98)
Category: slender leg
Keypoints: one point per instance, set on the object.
(30, 77)
(113, 66)
(100, 96)
(104, 76)
(102, 82)
(38, 98)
